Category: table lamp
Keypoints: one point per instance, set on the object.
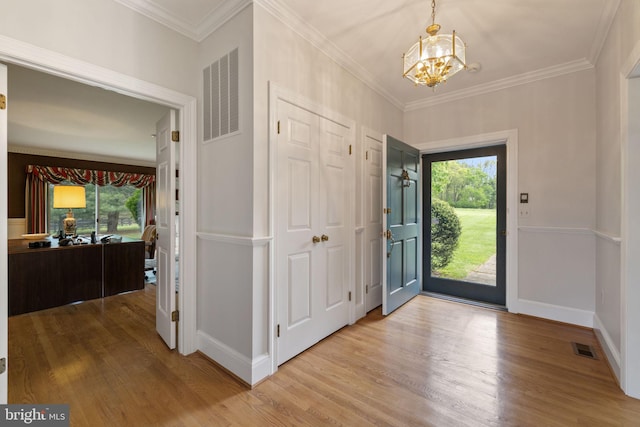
(69, 197)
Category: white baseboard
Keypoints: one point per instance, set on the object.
(16, 227)
(610, 350)
(241, 366)
(558, 313)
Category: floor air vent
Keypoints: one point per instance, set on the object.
(584, 350)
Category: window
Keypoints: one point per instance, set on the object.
(110, 210)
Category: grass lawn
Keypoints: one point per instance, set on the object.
(476, 244)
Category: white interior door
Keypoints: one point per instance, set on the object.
(165, 228)
(4, 285)
(373, 222)
(313, 249)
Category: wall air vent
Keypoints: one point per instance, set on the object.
(221, 97)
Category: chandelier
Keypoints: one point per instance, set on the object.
(433, 60)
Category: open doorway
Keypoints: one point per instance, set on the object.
(144, 93)
(56, 122)
(465, 224)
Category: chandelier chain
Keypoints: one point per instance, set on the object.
(433, 11)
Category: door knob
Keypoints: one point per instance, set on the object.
(315, 239)
(325, 238)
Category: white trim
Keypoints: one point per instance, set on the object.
(235, 240)
(496, 85)
(54, 63)
(37, 151)
(555, 230)
(558, 313)
(510, 139)
(197, 31)
(226, 356)
(609, 348)
(629, 344)
(571, 230)
(608, 237)
(602, 30)
(230, 8)
(4, 253)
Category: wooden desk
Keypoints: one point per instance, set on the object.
(50, 277)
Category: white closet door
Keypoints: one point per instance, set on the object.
(312, 251)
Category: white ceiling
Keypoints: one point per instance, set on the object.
(50, 115)
(514, 41)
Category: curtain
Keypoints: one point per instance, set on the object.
(56, 175)
(149, 194)
(36, 202)
(39, 177)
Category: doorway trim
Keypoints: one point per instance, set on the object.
(510, 139)
(51, 62)
(630, 233)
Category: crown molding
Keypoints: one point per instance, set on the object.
(36, 151)
(602, 31)
(230, 8)
(292, 20)
(195, 31)
(521, 79)
(220, 16)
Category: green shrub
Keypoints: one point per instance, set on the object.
(445, 231)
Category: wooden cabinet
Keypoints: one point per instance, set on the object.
(50, 277)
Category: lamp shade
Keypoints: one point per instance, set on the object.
(69, 197)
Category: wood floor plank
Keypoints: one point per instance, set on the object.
(431, 363)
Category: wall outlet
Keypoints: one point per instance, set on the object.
(525, 210)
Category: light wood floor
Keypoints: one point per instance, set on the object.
(432, 362)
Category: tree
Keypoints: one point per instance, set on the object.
(132, 204)
(445, 233)
(465, 185)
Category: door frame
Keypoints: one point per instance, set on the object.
(510, 139)
(276, 93)
(459, 288)
(56, 64)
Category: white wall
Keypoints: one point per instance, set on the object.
(623, 36)
(104, 33)
(555, 120)
(226, 253)
(285, 59)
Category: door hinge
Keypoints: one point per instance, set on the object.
(175, 316)
(386, 210)
(366, 155)
(175, 136)
(3, 102)
(3, 365)
(350, 149)
(278, 331)
(278, 127)
(349, 295)
(366, 289)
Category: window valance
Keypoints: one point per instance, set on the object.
(56, 175)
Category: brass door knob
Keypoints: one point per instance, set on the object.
(315, 239)
(325, 238)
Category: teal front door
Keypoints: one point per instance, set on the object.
(401, 224)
